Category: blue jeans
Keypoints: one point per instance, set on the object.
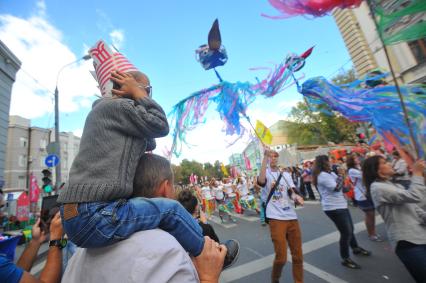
(414, 258)
(100, 224)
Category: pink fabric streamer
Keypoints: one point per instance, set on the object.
(314, 8)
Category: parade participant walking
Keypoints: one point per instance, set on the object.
(207, 199)
(399, 209)
(222, 206)
(282, 217)
(335, 207)
(307, 180)
(363, 200)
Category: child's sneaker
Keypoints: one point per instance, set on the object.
(233, 251)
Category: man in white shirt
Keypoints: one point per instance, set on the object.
(147, 256)
(282, 217)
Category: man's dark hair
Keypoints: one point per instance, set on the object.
(152, 170)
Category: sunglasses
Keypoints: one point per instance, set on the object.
(147, 88)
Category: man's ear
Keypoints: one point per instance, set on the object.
(162, 189)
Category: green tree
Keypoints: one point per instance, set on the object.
(311, 127)
(344, 77)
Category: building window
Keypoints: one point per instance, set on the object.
(23, 142)
(42, 164)
(21, 182)
(43, 143)
(22, 160)
(418, 47)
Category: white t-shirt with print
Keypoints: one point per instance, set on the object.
(359, 189)
(218, 192)
(206, 192)
(229, 191)
(280, 206)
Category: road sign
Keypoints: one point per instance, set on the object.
(51, 148)
(51, 160)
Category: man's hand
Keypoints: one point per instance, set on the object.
(419, 168)
(130, 88)
(298, 200)
(37, 234)
(56, 228)
(210, 262)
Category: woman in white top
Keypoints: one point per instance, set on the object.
(363, 201)
(400, 209)
(335, 206)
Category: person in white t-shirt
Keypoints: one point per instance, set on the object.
(246, 199)
(362, 200)
(207, 200)
(218, 191)
(282, 217)
(335, 206)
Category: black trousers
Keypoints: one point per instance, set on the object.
(343, 221)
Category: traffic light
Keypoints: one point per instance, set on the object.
(361, 137)
(47, 181)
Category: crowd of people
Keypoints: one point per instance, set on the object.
(120, 204)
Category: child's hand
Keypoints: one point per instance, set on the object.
(129, 86)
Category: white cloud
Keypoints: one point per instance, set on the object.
(208, 143)
(286, 105)
(78, 132)
(39, 46)
(117, 38)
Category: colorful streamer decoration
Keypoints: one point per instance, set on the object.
(379, 105)
(314, 8)
(232, 100)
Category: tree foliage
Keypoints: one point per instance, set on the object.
(184, 170)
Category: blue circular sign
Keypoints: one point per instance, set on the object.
(51, 160)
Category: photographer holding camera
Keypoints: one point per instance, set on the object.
(51, 273)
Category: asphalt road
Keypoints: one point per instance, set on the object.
(320, 247)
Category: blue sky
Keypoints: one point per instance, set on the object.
(159, 37)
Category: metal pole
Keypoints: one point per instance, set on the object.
(398, 90)
(58, 144)
(57, 141)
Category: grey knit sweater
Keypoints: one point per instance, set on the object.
(116, 134)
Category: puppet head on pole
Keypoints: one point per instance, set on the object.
(213, 54)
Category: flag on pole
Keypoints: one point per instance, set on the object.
(263, 133)
(224, 171)
(247, 162)
(400, 21)
(34, 189)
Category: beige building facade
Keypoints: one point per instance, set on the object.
(26, 152)
(366, 50)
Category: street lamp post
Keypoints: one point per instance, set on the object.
(57, 140)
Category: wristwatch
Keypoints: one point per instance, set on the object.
(58, 243)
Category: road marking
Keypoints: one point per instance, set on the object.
(215, 219)
(247, 218)
(254, 251)
(257, 265)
